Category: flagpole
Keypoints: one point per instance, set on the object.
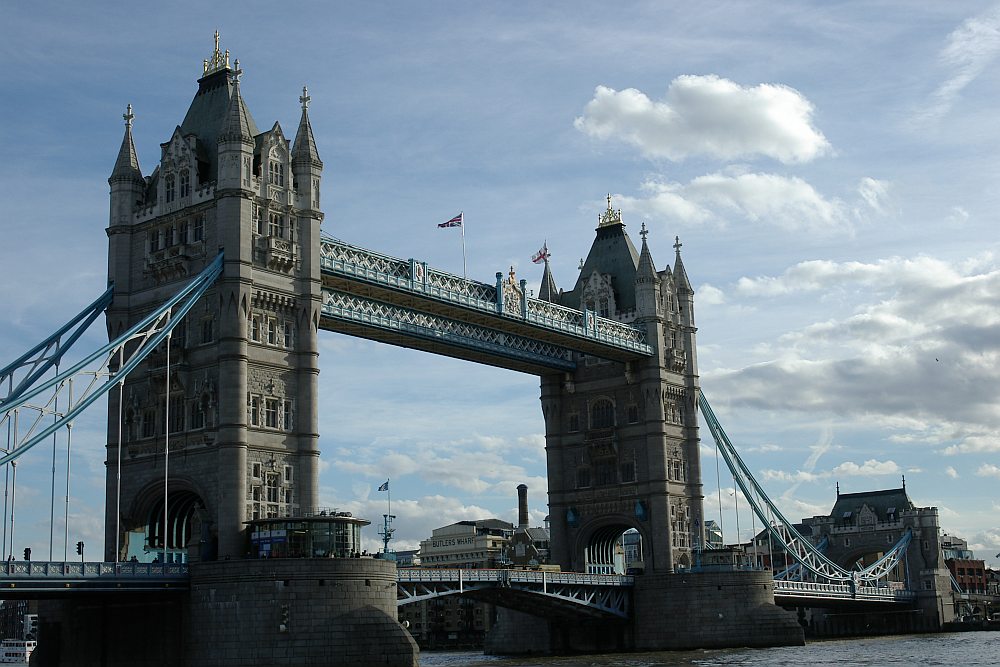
(465, 272)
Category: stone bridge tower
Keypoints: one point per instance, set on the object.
(237, 403)
(622, 438)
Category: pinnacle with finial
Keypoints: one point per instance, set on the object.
(237, 72)
(304, 100)
(643, 232)
(677, 244)
(128, 116)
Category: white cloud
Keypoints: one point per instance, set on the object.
(871, 467)
(951, 472)
(988, 470)
(786, 202)
(957, 217)
(710, 296)
(970, 49)
(708, 116)
(875, 194)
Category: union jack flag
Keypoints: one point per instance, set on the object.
(384, 487)
(454, 222)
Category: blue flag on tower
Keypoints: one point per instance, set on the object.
(384, 487)
(454, 222)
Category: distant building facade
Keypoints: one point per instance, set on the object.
(467, 544)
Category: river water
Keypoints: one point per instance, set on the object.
(958, 649)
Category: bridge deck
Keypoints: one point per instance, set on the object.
(23, 579)
(406, 302)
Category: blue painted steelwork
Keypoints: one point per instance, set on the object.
(27, 578)
(39, 359)
(793, 542)
(608, 595)
(808, 590)
(346, 307)
(142, 339)
(794, 571)
(504, 299)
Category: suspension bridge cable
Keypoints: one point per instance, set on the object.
(147, 333)
(718, 484)
(69, 447)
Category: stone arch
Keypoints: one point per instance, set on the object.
(188, 527)
(597, 544)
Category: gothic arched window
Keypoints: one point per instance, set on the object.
(168, 188)
(185, 180)
(602, 414)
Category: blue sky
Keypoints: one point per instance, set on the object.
(829, 167)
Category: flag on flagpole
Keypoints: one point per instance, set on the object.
(542, 254)
(384, 487)
(454, 222)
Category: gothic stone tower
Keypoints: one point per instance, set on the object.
(622, 438)
(237, 402)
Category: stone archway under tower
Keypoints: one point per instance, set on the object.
(612, 545)
(181, 534)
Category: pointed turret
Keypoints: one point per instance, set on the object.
(127, 165)
(237, 124)
(680, 275)
(647, 282)
(548, 290)
(304, 146)
(306, 165)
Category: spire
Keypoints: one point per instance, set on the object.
(237, 122)
(218, 61)
(646, 269)
(680, 275)
(610, 216)
(548, 290)
(127, 164)
(304, 146)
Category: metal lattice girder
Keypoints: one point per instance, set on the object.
(39, 578)
(441, 331)
(606, 594)
(504, 306)
(98, 371)
(783, 530)
(818, 591)
(38, 360)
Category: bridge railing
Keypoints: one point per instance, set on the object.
(62, 570)
(415, 276)
(430, 575)
(894, 593)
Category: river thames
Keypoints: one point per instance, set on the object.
(954, 649)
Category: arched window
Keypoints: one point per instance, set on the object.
(602, 414)
(185, 183)
(168, 188)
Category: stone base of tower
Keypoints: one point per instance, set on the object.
(710, 610)
(669, 612)
(266, 613)
(297, 612)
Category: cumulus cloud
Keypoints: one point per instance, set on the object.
(785, 202)
(969, 50)
(709, 295)
(870, 468)
(708, 116)
(918, 355)
(875, 194)
(988, 470)
(951, 472)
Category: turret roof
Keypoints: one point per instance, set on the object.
(612, 253)
(127, 164)
(548, 290)
(304, 146)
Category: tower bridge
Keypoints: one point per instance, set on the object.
(221, 283)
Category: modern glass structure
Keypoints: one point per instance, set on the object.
(333, 535)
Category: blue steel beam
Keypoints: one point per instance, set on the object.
(504, 306)
(395, 324)
(145, 336)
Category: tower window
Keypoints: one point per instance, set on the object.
(199, 228)
(185, 182)
(168, 236)
(574, 422)
(286, 415)
(197, 414)
(633, 414)
(168, 188)
(255, 328)
(276, 173)
(258, 221)
(253, 412)
(276, 225)
(154, 240)
(288, 474)
(602, 414)
(271, 413)
(182, 232)
(207, 330)
(272, 332)
(289, 333)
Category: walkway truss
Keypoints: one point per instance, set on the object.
(30, 407)
(859, 583)
(569, 592)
